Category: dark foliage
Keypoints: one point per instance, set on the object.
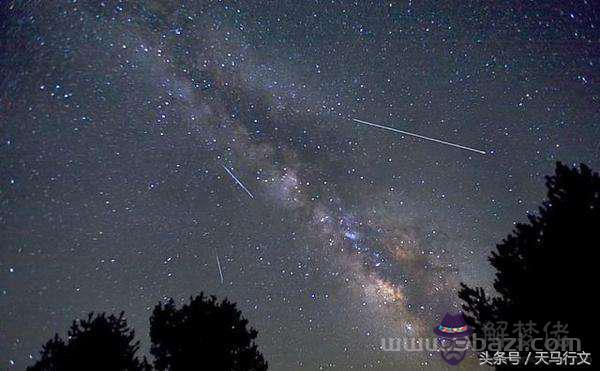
(546, 267)
(201, 335)
(203, 332)
(98, 343)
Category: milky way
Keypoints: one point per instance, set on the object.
(161, 150)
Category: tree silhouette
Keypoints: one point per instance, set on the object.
(203, 335)
(98, 343)
(546, 267)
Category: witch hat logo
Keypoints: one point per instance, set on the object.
(453, 338)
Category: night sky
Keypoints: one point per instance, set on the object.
(119, 122)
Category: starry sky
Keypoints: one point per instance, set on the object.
(120, 121)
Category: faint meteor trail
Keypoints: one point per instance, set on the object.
(421, 136)
(238, 181)
(219, 265)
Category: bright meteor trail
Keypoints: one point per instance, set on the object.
(421, 136)
(237, 181)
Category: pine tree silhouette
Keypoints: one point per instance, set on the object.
(98, 343)
(546, 267)
(203, 335)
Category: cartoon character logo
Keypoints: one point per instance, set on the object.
(453, 338)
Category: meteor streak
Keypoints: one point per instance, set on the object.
(421, 136)
(237, 181)
(219, 265)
